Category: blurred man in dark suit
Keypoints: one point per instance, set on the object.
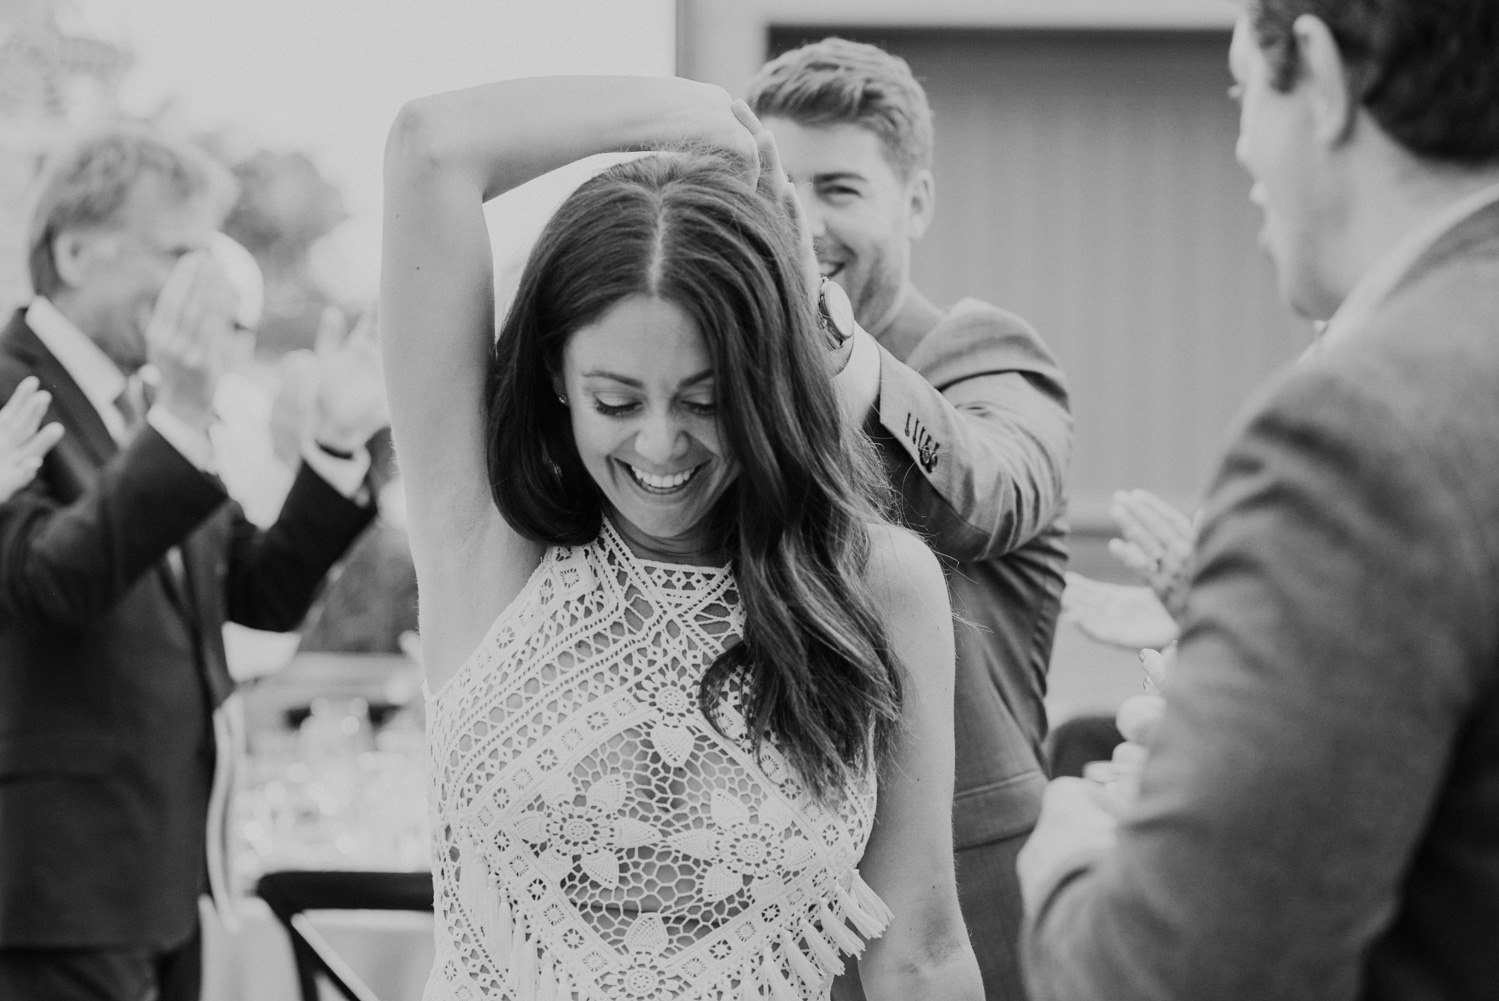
(1318, 810)
(968, 408)
(122, 560)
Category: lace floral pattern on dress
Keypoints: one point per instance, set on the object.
(597, 838)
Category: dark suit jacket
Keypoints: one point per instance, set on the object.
(1319, 816)
(975, 433)
(109, 670)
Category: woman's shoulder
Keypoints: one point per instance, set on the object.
(910, 593)
(902, 570)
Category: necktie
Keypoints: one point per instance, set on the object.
(131, 403)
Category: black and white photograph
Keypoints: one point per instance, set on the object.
(720, 500)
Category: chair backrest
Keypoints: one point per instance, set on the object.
(290, 894)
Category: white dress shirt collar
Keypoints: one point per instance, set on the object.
(1369, 293)
(96, 374)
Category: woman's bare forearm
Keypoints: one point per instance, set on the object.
(500, 135)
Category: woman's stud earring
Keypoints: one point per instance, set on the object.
(562, 399)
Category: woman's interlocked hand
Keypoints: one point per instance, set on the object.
(701, 114)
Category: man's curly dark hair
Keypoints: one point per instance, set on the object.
(1427, 70)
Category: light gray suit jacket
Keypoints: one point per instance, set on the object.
(975, 434)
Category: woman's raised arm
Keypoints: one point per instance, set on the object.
(925, 953)
(445, 156)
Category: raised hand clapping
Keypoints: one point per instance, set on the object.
(191, 338)
(1123, 615)
(351, 404)
(1157, 543)
(23, 444)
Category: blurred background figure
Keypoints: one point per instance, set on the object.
(121, 561)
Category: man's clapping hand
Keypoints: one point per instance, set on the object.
(350, 406)
(1157, 543)
(191, 339)
(1124, 615)
(1079, 817)
(22, 444)
(1138, 720)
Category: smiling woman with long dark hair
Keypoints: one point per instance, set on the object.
(683, 678)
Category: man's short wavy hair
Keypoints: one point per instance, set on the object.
(839, 82)
(86, 182)
(1427, 70)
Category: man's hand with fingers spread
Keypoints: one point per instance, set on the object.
(350, 406)
(1157, 543)
(191, 339)
(23, 443)
(1123, 615)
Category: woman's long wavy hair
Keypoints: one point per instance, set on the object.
(814, 666)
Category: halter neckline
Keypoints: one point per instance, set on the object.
(617, 539)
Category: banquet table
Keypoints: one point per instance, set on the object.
(321, 786)
(390, 950)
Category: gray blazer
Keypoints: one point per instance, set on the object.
(1319, 817)
(975, 433)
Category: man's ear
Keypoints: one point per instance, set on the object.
(1325, 75)
(71, 253)
(923, 194)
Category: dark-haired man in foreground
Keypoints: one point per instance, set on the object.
(1318, 811)
(969, 411)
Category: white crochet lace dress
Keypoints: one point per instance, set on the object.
(595, 837)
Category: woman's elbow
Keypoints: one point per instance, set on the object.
(414, 145)
(939, 964)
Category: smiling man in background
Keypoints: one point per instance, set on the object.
(969, 411)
